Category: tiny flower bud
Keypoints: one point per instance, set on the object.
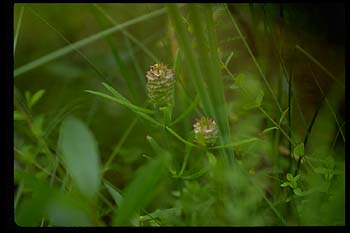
(160, 85)
(206, 131)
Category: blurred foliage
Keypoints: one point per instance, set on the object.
(90, 150)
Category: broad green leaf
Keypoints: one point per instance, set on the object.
(296, 178)
(80, 154)
(141, 191)
(48, 202)
(36, 97)
(31, 209)
(18, 116)
(299, 150)
(65, 211)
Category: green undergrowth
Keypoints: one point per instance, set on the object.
(90, 149)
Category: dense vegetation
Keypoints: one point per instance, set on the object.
(243, 127)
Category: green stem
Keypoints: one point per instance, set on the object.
(187, 155)
(119, 145)
(276, 124)
(254, 59)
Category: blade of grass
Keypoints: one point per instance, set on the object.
(276, 124)
(127, 34)
(254, 59)
(128, 105)
(81, 43)
(239, 143)
(329, 105)
(120, 144)
(185, 46)
(119, 96)
(19, 23)
(92, 66)
(187, 111)
(308, 55)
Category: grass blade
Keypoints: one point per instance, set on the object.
(140, 192)
(19, 23)
(81, 43)
(254, 60)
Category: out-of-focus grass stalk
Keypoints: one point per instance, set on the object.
(329, 105)
(308, 55)
(81, 43)
(206, 77)
(19, 23)
(254, 60)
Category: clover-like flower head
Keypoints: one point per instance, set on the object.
(206, 131)
(160, 85)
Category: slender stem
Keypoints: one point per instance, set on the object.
(81, 43)
(119, 145)
(254, 59)
(187, 155)
(329, 106)
(127, 34)
(319, 65)
(276, 124)
(180, 138)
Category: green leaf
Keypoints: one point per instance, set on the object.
(290, 177)
(285, 184)
(161, 214)
(196, 175)
(298, 192)
(299, 150)
(296, 178)
(31, 209)
(283, 116)
(125, 101)
(212, 159)
(28, 96)
(141, 191)
(269, 129)
(48, 202)
(38, 125)
(251, 91)
(117, 197)
(18, 116)
(65, 211)
(36, 97)
(80, 154)
(127, 104)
